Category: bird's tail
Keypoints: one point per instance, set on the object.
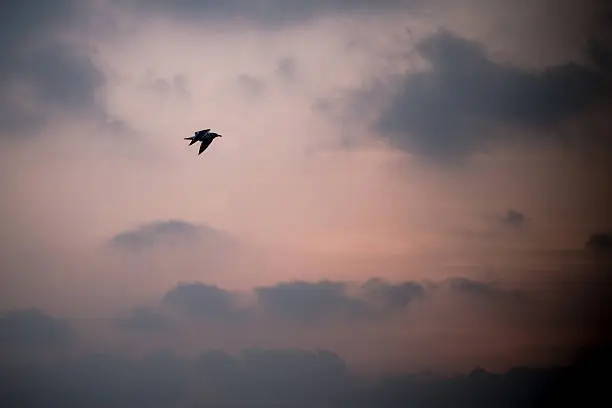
(189, 138)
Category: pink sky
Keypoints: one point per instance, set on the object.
(297, 203)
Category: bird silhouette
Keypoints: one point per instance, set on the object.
(197, 136)
(205, 137)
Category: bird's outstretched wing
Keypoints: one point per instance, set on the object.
(204, 145)
(202, 132)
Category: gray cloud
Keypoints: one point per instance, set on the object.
(513, 218)
(452, 108)
(269, 13)
(599, 43)
(294, 368)
(392, 296)
(310, 302)
(145, 320)
(599, 242)
(254, 377)
(289, 377)
(324, 301)
(216, 366)
(287, 69)
(192, 251)
(32, 328)
(59, 76)
(170, 233)
(201, 300)
(377, 299)
(601, 54)
(483, 290)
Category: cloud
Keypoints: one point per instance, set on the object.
(33, 329)
(301, 375)
(599, 37)
(313, 303)
(170, 233)
(309, 301)
(145, 320)
(452, 108)
(601, 54)
(160, 251)
(392, 296)
(271, 13)
(483, 290)
(599, 242)
(201, 300)
(450, 322)
(519, 386)
(513, 218)
(254, 377)
(39, 72)
(287, 69)
(216, 366)
(287, 377)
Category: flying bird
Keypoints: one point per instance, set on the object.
(205, 137)
(197, 136)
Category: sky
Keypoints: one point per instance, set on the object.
(410, 184)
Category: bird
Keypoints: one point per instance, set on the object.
(205, 137)
(197, 136)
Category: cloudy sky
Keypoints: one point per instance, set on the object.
(412, 184)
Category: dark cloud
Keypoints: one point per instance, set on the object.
(255, 377)
(453, 107)
(599, 242)
(268, 13)
(310, 302)
(201, 300)
(600, 53)
(293, 375)
(292, 378)
(145, 320)
(599, 42)
(392, 296)
(513, 218)
(37, 63)
(168, 233)
(33, 329)
(325, 301)
(217, 366)
(484, 290)
(518, 387)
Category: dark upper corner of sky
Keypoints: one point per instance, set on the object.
(60, 74)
